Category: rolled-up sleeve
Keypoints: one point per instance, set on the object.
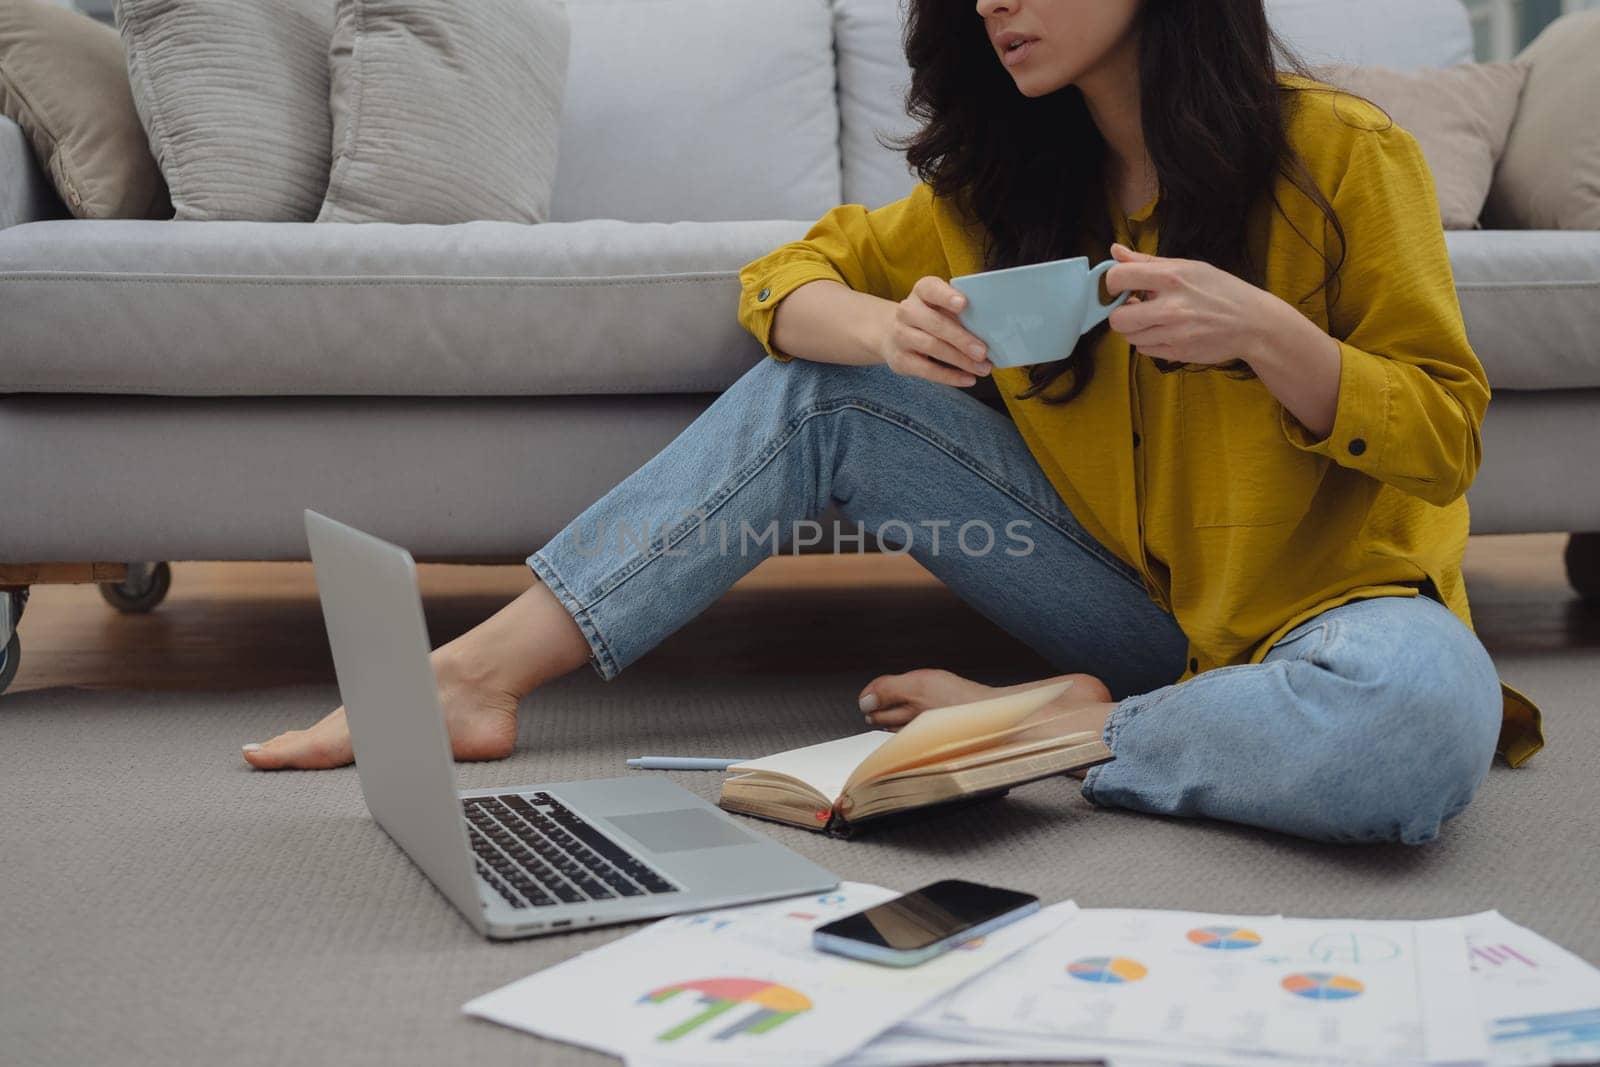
(1412, 393)
(882, 252)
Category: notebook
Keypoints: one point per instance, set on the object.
(944, 756)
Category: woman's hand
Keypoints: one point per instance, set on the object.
(1186, 311)
(1192, 312)
(925, 339)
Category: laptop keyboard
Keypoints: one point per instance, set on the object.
(536, 852)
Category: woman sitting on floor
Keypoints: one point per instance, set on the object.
(1243, 495)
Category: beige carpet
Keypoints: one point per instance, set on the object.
(162, 903)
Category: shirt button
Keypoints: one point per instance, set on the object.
(763, 294)
(1357, 446)
(1194, 666)
(1136, 439)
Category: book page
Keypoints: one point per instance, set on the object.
(1010, 750)
(943, 733)
(823, 767)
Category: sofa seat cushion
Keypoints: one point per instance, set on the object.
(377, 309)
(1531, 301)
(490, 308)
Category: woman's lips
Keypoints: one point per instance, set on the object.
(1012, 56)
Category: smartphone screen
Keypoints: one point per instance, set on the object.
(928, 915)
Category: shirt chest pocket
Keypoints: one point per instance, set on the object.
(1244, 471)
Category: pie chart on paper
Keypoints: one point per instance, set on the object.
(1321, 985)
(1107, 970)
(1225, 938)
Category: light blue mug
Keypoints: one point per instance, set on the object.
(1034, 313)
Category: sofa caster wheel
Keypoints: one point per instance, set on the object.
(10, 660)
(19, 603)
(144, 588)
(1583, 565)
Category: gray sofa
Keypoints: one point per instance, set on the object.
(180, 391)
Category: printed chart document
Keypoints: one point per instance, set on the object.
(742, 985)
(1213, 989)
(906, 1048)
(1539, 1002)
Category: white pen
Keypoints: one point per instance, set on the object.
(681, 763)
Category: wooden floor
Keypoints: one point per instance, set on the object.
(248, 625)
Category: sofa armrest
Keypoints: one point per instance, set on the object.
(25, 192)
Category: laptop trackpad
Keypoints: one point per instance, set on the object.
(676, 831)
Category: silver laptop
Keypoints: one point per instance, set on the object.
(529, 860)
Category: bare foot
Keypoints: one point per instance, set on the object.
(1070, 715)
(890, 701)
(482, 676)
(481, 718)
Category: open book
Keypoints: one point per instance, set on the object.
(944, 755)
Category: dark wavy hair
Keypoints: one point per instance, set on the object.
(1031, 171)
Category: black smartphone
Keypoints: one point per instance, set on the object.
(922, 924)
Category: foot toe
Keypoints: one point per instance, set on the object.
(911, 687)
(893, 718)
(1088, 689)
(266, 755)
(314, 749)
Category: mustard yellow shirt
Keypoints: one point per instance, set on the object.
(1241, 522)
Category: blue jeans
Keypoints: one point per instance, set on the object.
(1374, 721)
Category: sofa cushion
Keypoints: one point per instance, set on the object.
(489, 308)
(1460, 116)
(327, 309)
(564, 307)
(1531, 301)
(233, 95)
(873, 75)
(1549, 177)
(649, 105)
(1378, 33)
(445, 112)
(25, 193)
(64, 80)
(873, 78)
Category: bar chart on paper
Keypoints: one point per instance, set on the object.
(772, 1004)
(1541, 1003)
(737, 986)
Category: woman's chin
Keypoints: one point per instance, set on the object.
(1032, 85)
